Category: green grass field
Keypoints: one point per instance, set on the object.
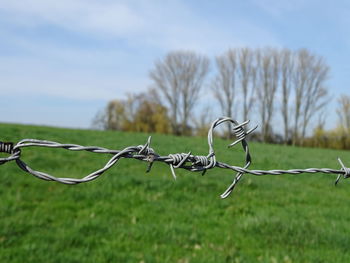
(129, 216)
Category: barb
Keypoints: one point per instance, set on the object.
(187, 161)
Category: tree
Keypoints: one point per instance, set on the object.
(138, 112)
(115, 112)
(246, 71)
(235, 81)
(316, 93)
(179, 77)
(287, 66)
(343, 112)
(224, 82)
(299, 83)
(311, 94)
(268, 74)
(150, 117)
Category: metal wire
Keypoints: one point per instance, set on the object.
(187, 161)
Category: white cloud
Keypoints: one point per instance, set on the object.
(48, 66)
(160, 24)
(78, 15)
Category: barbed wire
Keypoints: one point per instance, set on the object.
(187, 161)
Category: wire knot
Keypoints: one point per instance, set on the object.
(204, 163)
(345, 169)
(177, 160)
(201, 160)
(241, 133)
(7, 147)
(148, 152)
(146, 149)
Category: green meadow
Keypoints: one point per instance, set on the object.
(127, 215)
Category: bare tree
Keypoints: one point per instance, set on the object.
(224, 82)
(246, 71)
(179, 78)
(268, 80)
(343, 112)
(299, 87)
(316, 92)
(311, 94)
(286, 78)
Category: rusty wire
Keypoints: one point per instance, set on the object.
(187, 161)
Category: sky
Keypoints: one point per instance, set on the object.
(62, 61)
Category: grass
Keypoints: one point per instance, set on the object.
(129, 216)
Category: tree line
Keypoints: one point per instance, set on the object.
(282, 88)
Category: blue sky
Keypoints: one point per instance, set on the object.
(61, 61)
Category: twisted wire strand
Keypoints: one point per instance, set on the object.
(187, 161)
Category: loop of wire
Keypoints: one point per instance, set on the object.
(187, 161)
